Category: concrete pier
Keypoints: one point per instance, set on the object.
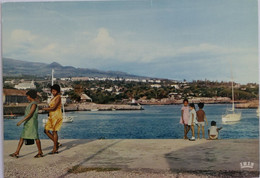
(136, 158)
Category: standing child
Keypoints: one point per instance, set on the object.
(185, 115)
(30, 128)
(201, 120)
(192, 120)
(213, 131)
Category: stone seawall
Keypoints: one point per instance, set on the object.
(101, 107)
(251, 105)
(17, 110)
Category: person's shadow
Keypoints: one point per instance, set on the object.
(65, 146)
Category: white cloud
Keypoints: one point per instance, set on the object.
(106, 48)
(22, 36)
(103, 44)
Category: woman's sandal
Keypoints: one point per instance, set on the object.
(38, 156)
(14, 155)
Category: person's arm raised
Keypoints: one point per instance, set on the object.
(33, 108)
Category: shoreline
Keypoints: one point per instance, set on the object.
(135, 158)
(19, 109)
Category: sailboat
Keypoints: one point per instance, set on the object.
(231, 115)
(65, 119)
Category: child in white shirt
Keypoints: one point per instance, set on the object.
(213, 131)
(192, 120)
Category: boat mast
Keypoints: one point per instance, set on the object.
(52, 74)
(232, 81)
(233, 99)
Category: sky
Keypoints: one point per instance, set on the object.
(173, 39)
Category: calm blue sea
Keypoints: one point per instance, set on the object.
(155, 122)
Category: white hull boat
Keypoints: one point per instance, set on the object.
(232, 115)
(66, 119)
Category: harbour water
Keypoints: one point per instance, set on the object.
(154, 122)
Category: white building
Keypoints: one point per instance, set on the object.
(175, 86)
(79, 78)
(85, 98)
(66, 89)
(65, 79)
(156, 86)
(25, 85)
(9, 81)
(109, 89)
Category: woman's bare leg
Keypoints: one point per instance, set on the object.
(20, 144)
(38, 143)
(55, 140)
(48, 133)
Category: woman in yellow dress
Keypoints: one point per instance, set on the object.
(54, 122)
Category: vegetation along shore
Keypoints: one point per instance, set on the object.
(117, 93)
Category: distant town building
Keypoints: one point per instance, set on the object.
(109, 89)
(64, 89)
(176, 86)
(252, 86)
(14, 96)
(65, 79)
(237, 85)
(173, 95)
(25, 85)
(79, 78)
(156, 86)
(9, 82)
(85, 98)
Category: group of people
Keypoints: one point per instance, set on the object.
(30, 120)
(190, 117)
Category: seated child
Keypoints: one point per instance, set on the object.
(213, 131)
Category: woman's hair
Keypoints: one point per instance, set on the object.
(185, 100)
(201, 105)
(32, 94)
(192, 105)
(213, 123)
(55, 87)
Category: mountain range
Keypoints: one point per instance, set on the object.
(13, 67)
